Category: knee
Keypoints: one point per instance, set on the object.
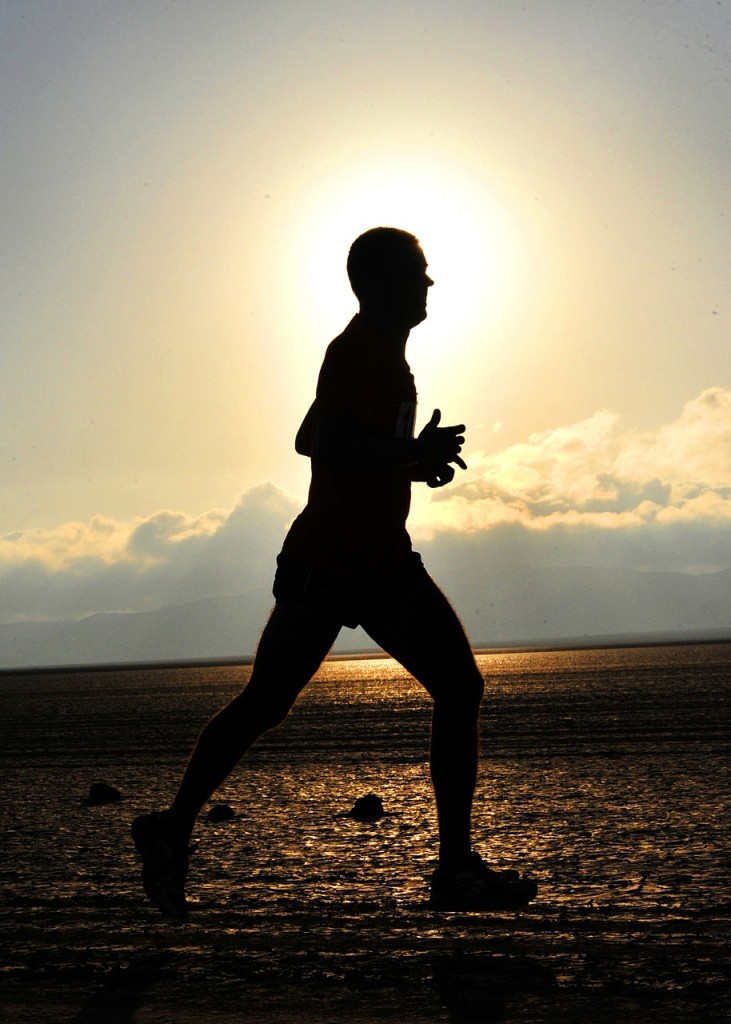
(262, 711)
(464, 696)
(245, 719)
(474, 690)
(270, 714)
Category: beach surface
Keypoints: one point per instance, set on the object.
(604, 774)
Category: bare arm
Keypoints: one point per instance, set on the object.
(344, 444)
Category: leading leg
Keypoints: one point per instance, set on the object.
(422, 631)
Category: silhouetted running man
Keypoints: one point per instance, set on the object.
(348, 560)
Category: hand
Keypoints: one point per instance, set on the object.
(441, 445)
(439, 476)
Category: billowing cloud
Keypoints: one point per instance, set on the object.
(604, 494)
(166, 558)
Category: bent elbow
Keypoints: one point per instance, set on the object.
(303, 447)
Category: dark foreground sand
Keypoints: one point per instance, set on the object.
(369, 964)
(610, 787)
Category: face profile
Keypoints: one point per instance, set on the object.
(387, 271)
(409, 286)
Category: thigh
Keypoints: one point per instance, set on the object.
(422, 631)
(295, 641)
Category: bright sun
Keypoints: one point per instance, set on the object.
(468, 240)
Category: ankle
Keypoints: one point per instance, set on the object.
(178, 827)
(453, 861)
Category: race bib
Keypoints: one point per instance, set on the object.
(405, 421)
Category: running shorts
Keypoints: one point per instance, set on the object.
(345, 600)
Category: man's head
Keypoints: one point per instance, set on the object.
(387, 272)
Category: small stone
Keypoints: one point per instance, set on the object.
(367, 808)
(220, 812)
(102, 793)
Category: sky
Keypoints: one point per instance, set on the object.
(180, 185)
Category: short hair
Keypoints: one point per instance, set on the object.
(373, 250)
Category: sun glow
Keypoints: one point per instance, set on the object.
(469, 241)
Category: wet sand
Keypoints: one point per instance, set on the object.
(605, 776)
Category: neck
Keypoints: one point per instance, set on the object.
(383, 323)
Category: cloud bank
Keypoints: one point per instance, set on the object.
(165, 558)
(596, 493)
(589, 494)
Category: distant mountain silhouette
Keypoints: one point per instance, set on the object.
(516, 606)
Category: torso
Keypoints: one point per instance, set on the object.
(354, 524)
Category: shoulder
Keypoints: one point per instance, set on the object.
(353, 355)
(356, 339)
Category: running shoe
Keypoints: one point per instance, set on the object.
(164, 864)
(478, 887)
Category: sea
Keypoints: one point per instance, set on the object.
(603, 773)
